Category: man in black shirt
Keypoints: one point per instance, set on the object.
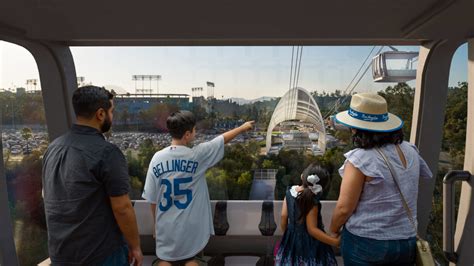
(89, 215)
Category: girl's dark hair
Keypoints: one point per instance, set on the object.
(367, 139)
(305, 198)
(179, 122)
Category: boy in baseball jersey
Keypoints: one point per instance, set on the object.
(177, 190)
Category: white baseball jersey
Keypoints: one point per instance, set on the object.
(176, 183)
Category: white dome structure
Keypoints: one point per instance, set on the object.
(298, 105)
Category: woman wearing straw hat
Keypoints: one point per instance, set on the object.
(377, 229)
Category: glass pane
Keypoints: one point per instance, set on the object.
(225, 86)
(24, 138)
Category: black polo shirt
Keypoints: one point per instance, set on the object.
(81, 170)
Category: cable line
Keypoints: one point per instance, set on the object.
(347, 93)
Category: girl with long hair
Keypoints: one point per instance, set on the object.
(305, 241)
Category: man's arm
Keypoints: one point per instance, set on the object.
(126, 220)
(231, 134)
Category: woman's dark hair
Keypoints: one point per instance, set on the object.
(367, 139)
(87, 100)
(305, 198)
(179, 122)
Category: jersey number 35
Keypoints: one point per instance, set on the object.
(177, 192)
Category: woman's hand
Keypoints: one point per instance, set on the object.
(335, 238)
(334, 234)
(337, 241)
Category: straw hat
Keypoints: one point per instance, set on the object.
(368, 111)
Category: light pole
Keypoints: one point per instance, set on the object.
(13, 115)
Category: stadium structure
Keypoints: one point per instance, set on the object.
(297, 115)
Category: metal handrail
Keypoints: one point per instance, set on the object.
(448, 211)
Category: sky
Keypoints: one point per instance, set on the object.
(242, 72)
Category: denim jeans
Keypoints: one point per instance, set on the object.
(118, 258)
(358, 251)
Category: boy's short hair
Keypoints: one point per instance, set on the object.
(87, 100)
(179, 122)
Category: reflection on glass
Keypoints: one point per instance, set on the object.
(25, 139)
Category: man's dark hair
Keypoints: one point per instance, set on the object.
(87, 100)
(179, 122)
(368, 139)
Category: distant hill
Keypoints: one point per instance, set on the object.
(242, 101)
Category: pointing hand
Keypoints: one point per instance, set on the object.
(248, 125)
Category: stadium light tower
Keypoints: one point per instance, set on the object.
(144, 78)
(31, 83)
(80, 81)
(196, 91)
(210, 89)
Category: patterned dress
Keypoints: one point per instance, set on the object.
(297, 246)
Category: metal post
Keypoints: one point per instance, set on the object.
(448, 211)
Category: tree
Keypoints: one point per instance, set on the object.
(145, 153)
(134, 166)
(32, 109)
(124, 117)
(6, 156)
(344, 135)
(455, 121)
(331, 160)
(269, 164)
(244, 184)
(400, 100)
(216, 182)
(26, 134)
(137, 186)
(199, 112)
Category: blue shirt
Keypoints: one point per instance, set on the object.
(380, 214)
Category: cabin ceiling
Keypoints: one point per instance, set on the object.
(244, 22)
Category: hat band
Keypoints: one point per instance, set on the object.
(367, 117)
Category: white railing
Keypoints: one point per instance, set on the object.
(243, 216)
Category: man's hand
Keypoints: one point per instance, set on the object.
(135, 257)
(127, 222)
